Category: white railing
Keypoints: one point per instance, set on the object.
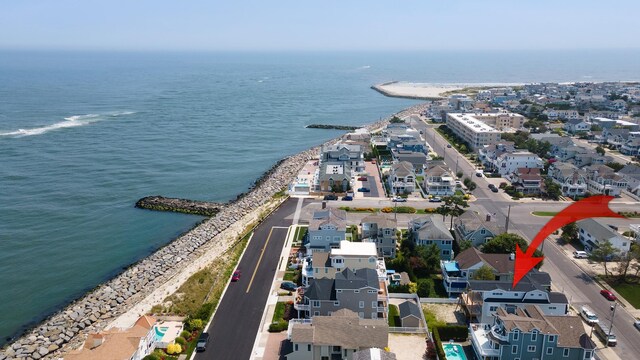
(301, 307)
(438, 300)
(296, 321)
(498, 335)
(412, 330)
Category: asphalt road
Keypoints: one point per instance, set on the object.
(566, 276)
(235, 324)
(370, 184)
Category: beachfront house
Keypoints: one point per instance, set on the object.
(509, 162)
(119, 344)
(572, 181)
(326, 229)
(336, 336)
(439, 181)
(381, 230)
(529, 333)
(428, 230)
(594, 232)
(402, 179)
(456, 273)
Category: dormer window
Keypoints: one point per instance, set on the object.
(534, 335)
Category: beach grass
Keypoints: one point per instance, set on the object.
(544, 213)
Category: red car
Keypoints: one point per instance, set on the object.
(608, 295)
(362, 178)
(236, 275)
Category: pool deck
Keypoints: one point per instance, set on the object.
(174, 328)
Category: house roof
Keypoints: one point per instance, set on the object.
(349, 248)
(361, 278)
(320, 259)
(529, 282)
(431, 228)
(320, 289)
(402, 168)
(343, 328)
(437, 170)
(630, 169)
(597, 229)
(472, 221)
(383, 221)
(329, 216)
(575, 121)
(472, 256)
(373, 354)
(409, 308)
(116, 344)
(571, 332)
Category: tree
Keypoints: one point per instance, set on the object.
(600, 150)
(454, 206)
(603, 254)
(430, 256)
(506, 244)
(459, 174)
(472, 186)
(552, 189)
(569, 233)
(484, 273)
(425, 287)
(595, 127)
(614, 165)
(464, 245)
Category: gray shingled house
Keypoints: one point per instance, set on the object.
(381, 230)
(432, 230)
(327, 228)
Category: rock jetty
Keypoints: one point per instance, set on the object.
(66, 329)
(332, 127)
(193, 207)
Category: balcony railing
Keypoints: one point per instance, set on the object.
(500, 335)
(301, 307)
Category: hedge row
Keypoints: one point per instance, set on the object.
(438, 343)
(458, 333)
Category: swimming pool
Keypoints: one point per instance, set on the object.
(160, 332)
(454, 352)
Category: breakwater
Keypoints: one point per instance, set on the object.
(332, 127)
(67, 328)
(185, 206)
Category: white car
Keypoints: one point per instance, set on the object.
(399, 199)
(589, 316)
(636, 323)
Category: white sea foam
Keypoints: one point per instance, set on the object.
(71, 121)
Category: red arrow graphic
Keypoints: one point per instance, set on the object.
(591, 207)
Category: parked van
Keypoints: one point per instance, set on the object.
(602, 331)
(588, 316)
(580, 254)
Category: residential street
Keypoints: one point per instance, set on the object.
(235, 324)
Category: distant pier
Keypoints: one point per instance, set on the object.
(194, 207)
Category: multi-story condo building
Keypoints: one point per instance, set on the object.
(503, 122)
(471, 130)
(380, 230)
(528, 333)
(359, 290)
(484, 297)
(592, 233)
(326, 229)
(438, 180)
(429, 230)
(402, 179)
(601, 179)
(337, 336)
(572, 181)
(352, 255)
(456, 273)
(507, 163)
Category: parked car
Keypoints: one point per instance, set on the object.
(201, 345)
(363, 178)
(604, 333)
(449, 146)
(478, 174)
(636, 323)
(580, 254)
(364, 189)
(288, 285)
(435, 199)
(608, 295)
(236, 275)
(347, 198)
(588, 316)
(330, 197)
(399, 199)
(494, 189)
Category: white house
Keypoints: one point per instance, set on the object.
(592, 233)
(572, 181)
(402, 179)
(439, 180)
(508, 163)
(576, 125)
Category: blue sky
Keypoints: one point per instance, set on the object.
(318, 25)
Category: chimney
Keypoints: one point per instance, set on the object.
(512, 256)
(324, 205)
(488, 218)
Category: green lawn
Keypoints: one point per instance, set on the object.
(394, 316)
(431, 319)
(544, 213)
(301, 231)
(630, 291)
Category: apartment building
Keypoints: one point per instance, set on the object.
(473, 131)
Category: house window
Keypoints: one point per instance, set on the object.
(516, 335)
(549, 351)
(565, 352)
(309, 347)
(337, 349)
(356, 291)
(534, 335)
(587, 354)
(361, 315)
(316, 313)
(336, 303)
(531, 348)
(514, 349)
(552, 338)
(374, 304)
(339, 290)
(361, 304)
(493, 308)
(295, 347)
(372, 291)
(315, 303)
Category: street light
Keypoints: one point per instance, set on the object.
(613, 309)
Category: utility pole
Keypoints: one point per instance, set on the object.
(457, 158)
(613, 308)
(506, 225)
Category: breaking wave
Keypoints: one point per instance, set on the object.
(69, 122)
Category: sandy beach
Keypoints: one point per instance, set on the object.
(427, 91)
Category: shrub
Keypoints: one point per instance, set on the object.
(387, 210)
(205, 311)
(194, 324)
(182, 341)
(174, 349)
(151, 357)
(405, 210)
(453, 332)
(278, 326)
(185, 334)
(425, 287)
(438, 343)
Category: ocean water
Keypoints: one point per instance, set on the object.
(84, 135)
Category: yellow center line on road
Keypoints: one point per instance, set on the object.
(259, 260)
